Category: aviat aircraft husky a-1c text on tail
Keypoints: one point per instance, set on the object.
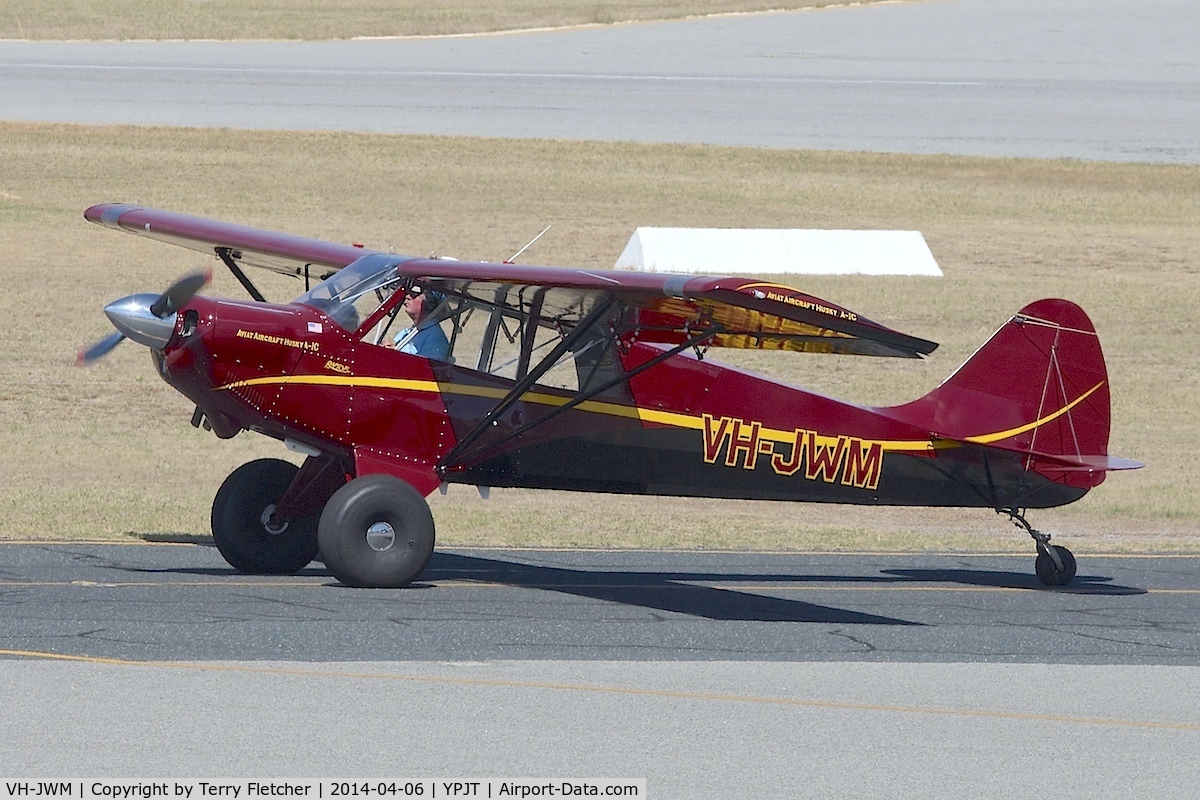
(575, 379)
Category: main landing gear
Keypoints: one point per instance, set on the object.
(376, 531)
(245, 527)
(1055, 565)
(373, 531)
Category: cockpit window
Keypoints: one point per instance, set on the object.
(507, 337)
(354, 292)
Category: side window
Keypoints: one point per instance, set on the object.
(499, 340)
(501, 333)
(383, 330)
(597, 365)
(413, 323)
(352, 294)
(495, 338)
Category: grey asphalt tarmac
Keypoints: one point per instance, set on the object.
(184, 603)
(1094, 79)
(708, 674)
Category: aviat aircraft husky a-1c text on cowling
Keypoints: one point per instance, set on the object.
(585, 380)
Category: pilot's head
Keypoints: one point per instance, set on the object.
(419, 303)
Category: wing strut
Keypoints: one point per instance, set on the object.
(452, 459)
(488, 348)
(597, 313)
(226, 255)
(530, 332)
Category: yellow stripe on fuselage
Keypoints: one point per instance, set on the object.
(467, 390)
(669, 418)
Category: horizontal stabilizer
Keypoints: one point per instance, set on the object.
(1065, 463)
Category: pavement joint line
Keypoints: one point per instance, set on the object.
(616, 690)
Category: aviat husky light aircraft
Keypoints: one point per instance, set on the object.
(578, 379)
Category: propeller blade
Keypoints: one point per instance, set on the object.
(99, 349)
(177, 296)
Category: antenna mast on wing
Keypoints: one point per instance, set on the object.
(512, 259)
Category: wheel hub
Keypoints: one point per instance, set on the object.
(381, 536)
(270, 524)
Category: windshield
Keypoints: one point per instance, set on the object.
(357, 289)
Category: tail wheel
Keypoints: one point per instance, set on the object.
(1055, 566)
(376, 531)
(1049, 572)
(244, 527)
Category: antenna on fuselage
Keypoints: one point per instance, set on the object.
(512, 259)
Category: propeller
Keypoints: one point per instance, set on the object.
(144, 317)
(179, 293)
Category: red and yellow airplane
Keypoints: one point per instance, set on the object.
(584, 380)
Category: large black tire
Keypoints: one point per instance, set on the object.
(376, 532)
(1048, 574)
(240, 527)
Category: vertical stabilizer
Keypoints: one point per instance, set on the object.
(1038, 386)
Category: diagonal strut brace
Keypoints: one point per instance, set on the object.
(582, 397)
(226, 255)
(598, 311)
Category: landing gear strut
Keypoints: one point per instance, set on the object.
(1055, 565)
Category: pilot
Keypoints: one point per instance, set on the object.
(425, 336)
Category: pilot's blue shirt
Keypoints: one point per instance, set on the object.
(429, 342)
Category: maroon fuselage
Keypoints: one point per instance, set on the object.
(683, 427)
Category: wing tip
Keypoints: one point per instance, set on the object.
(108, 214)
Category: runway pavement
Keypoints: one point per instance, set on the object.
(709, 674)
(179, 603)
(1095, 79)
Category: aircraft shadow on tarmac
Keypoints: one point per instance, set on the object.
(1082, 584)
(678, 592)
(662, 591)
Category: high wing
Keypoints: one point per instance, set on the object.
(656, 308)
(244, 245)
(671, 309)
